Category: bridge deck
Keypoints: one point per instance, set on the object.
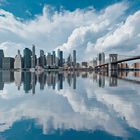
(120, 61)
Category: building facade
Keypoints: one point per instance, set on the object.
(8, 63)
(60, 58)
(33, 58)
(1, 58)
(27, 58)
(18, 61)
(74, 58)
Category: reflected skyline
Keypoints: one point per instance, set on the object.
(55, 80)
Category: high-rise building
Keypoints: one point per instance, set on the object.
(27, 58)
(60, 57)
(101, 58)
(42, 59)
(18, 61)
(8, 63)
(1, 58)
(69, 60)
(49, 60)
(54, 58)
(74, 58)
(33, 60)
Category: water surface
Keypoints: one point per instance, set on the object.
(69, 105)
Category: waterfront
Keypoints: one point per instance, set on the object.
(69, 105)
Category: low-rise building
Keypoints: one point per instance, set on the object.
(136, 65)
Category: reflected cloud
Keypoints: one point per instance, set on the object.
(56, 103)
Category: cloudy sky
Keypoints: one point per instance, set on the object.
(89, 26)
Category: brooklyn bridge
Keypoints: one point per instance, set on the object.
(116, 62)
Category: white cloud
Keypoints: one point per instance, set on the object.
(125, 37)
(68, 30)
(88, 31)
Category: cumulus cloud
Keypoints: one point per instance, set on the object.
(88, 31)
(67, 30)
(85, 37)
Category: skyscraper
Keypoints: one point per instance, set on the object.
(60, 57)
(1, 57)
(18, 61)
(54, 58)
(74, 58)
(49, 60)
(42, 59)
(33, 60)
(27, 58)
(101, 58)
(69, 60)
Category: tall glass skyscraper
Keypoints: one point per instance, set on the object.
(1, 57)
(60, 57)
(42, 59)
(33, 60)
(27, 58)
(74, 58)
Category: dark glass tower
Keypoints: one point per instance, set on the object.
(33, 60)
(42, 59)
(1, 58)
(74, 58)
(27, 58)
(60, 57)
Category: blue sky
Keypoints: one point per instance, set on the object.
(35, 6)
(89, 26)
(27, 9)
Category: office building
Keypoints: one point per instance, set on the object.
(8, 63)
(60, 58)
(49, 60)
(101, 58)
(54, 58)
(42, 59)
(33, 58)
(69, 60)
(1, 58)
(27, 58)
(74, 58)
(18, 61)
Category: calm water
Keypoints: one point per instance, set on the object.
(68, 106)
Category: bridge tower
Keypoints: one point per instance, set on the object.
(113, 65)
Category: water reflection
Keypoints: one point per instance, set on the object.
(106, 104)
(30, 79)
(56, 79)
